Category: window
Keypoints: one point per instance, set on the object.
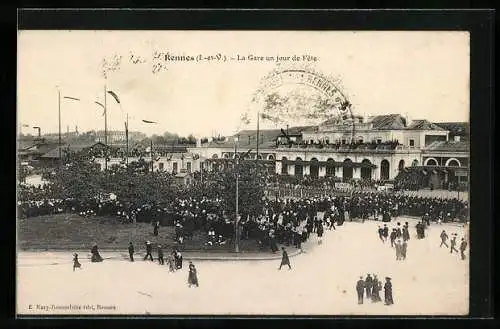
(311, 141)
(174, 167)
(379, 140)
(188, 166)
(161, 165)
(360, 139)
(343, 141)
(412, 143)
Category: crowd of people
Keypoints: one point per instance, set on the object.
(372, 287)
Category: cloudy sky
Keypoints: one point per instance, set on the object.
(424, 75)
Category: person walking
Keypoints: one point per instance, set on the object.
(319, 231)
(444, 238)
(131, 251)
(284, 259)
(156, 227)
(388, 291)
(76, 263)
(149, 249)
(463, 246)
(398, 250)
(160, 255)
(453, 243)
(404, 247)
(192, 276)
(360, 289)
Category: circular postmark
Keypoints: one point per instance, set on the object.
(301, 96)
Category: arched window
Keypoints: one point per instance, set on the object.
(384, 169)
(414, 163)
(431, 162)
(401, 165)
(270, 157)
(366, 170)
(284, 166)
(330, 168)
(347, 170)
(453, 163)
(314, 168)
(299, 168)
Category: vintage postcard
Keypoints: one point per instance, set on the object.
(242, 173)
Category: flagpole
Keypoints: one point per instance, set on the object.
(126, 138)
(105, 130)
(59, 117)
(257, 156)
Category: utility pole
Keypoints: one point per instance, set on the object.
(59, 116)
(105, 131)
(126, 138)
(151, 151)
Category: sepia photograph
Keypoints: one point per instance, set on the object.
(184, 172)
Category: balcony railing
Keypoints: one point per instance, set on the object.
(367, 147)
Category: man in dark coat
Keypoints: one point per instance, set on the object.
(453, 243)
(377, 285)
(131, 251)
(388, 291)
(386, 232)
(160, 255)
(406, 233)
(360, 289)
(149, 249)
(444, 238)
(463, 246)
(381, 234)
(156, 227)
(284, 259)
(368, 286)
(393, 237)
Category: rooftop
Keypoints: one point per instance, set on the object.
(450, 146)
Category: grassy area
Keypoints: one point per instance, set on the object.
(70, 231)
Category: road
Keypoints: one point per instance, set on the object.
(322, 282)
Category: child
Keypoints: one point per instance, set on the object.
(76, 263)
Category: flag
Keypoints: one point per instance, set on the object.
(115, 96)
(73, 98)
(101, 105)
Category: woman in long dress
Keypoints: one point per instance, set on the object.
(76, 263)
(388, 291)
(96, 257)
(192, 277)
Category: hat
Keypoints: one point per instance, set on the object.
(387, 278)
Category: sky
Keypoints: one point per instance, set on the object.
(423, 75)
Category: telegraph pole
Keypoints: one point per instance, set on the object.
(59, 116)
(105, 131)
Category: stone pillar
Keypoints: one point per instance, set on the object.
(339, 172)
(306, 170)
(278, 167)
(322, 171)
(356, 172)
